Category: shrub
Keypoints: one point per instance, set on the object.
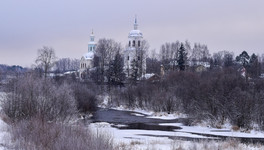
(214, 96)
(37, 134)
(29, 96)
(85, 97)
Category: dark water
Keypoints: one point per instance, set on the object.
(125, 120)
(130, 121)
(146, 126)
(127, 117)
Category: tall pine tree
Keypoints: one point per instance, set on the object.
(181, 58)
(115, 73)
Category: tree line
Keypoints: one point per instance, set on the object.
(217, 94)
(109, 61)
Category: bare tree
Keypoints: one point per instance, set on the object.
(67, 64)
(175, 53)
(223, 58)
(75, 64)
(254, 67)
(152, 63)
(228, 59)
(30, 96)
(169, 54)
(46, 58)
(106, 50)
(188, 48)
(261, 60)
(218, 59)
(200, 52)
(165, 52)
(141, 57)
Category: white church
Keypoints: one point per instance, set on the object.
(87, 60)
(131, 53)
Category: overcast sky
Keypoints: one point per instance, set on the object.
(65, 25)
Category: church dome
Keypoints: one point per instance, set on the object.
(89, 55)
(135, 33)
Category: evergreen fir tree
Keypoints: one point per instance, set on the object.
(119, 75)
(115, 73)
(243, 58)
(181, 58)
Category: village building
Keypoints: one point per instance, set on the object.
(87, 60)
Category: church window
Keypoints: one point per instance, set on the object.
(127, 57)
(134, 43)
(129, 43)
(138, 43)
(138, 58)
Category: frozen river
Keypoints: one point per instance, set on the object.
(179, 128)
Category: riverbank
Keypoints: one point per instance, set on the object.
(147, 130)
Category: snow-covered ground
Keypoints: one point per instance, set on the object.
(226, 131)
(153, 139)
(193, 129)
(4, 133)
(220, 132)
(159, 140)
(133, 137)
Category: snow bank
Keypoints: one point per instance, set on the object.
(4, 134)
(135, 139)
(215, 131)
(148, 139)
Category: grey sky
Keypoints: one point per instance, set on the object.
(65, 25)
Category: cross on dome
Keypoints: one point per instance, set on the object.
(135, 24)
